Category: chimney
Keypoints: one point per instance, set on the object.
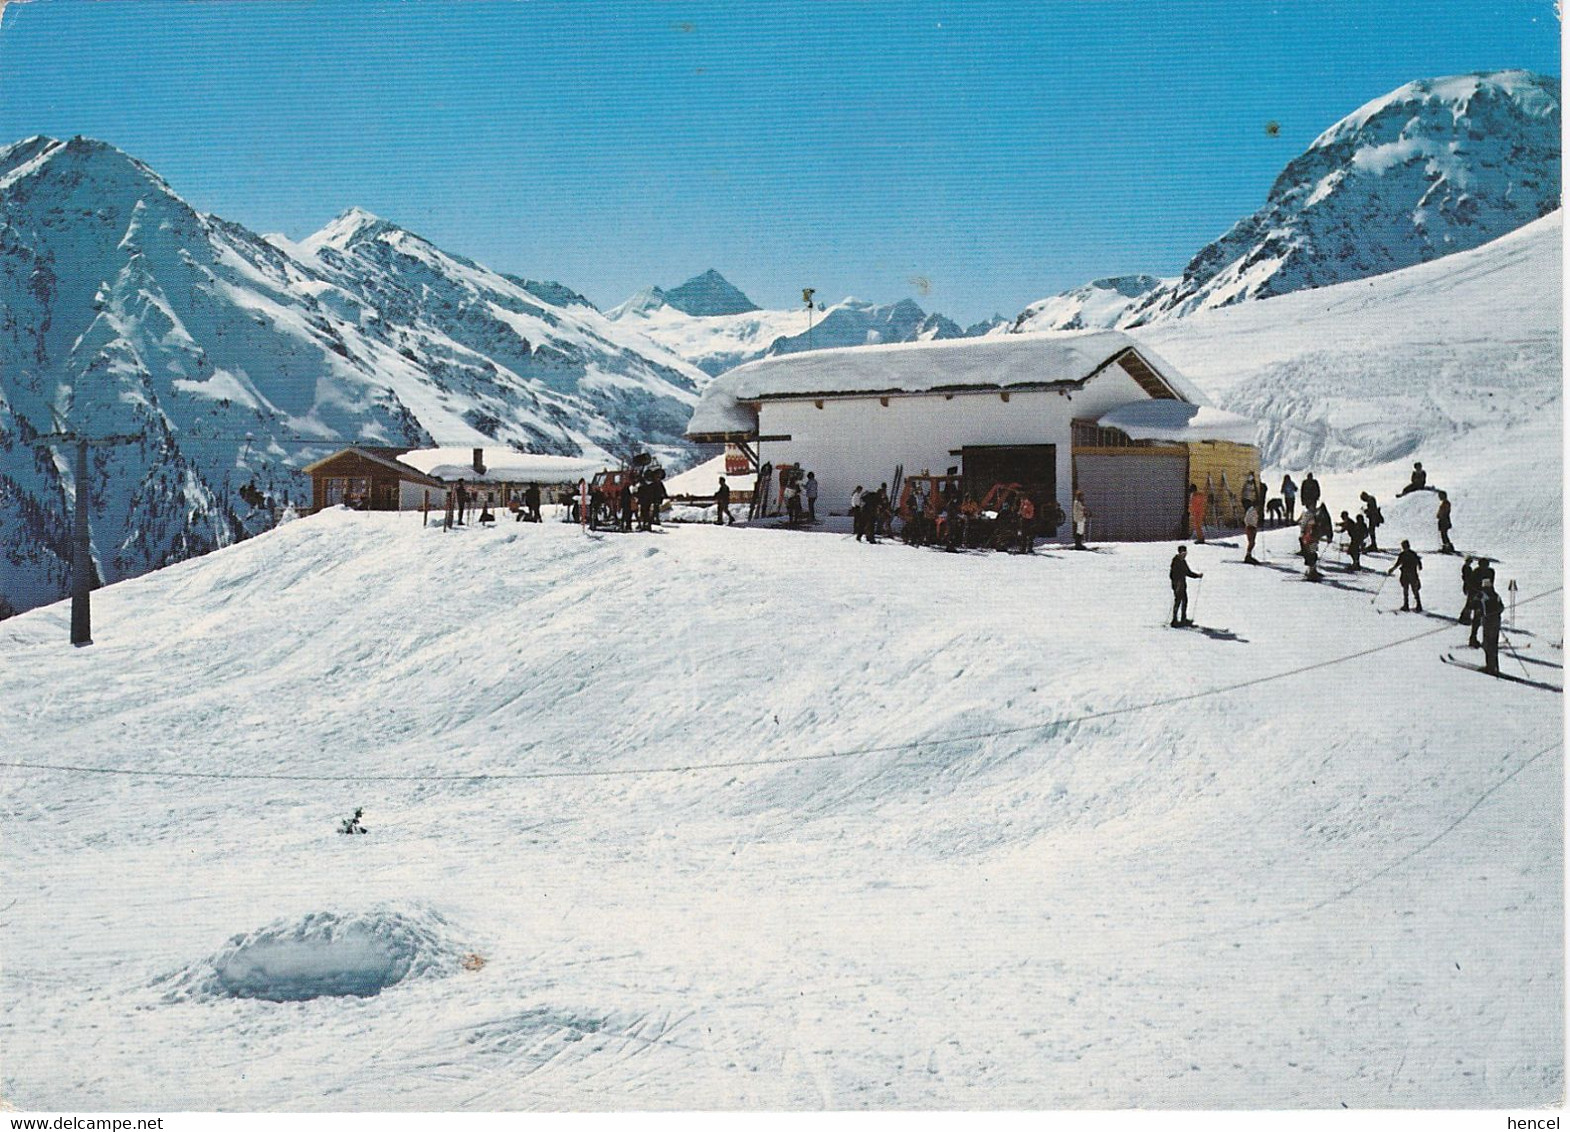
(479, 461)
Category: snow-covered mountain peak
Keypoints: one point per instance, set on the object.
(1534, 95)
(350, 227)
(645, 302)
(1434, 167)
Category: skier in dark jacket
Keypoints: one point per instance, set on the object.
(1324, 526)
(1180, 573)
(722, 504)
(1411, 585)
(1356, 531)
(1490, 608)
(1372, 514)
(1309, 492)
(531, 500)
(1469, 596)
(1442, 517)
(1482, 572)
(1419, 481)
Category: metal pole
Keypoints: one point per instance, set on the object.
(82, 559)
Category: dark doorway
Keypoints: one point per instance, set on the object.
(1033, 466)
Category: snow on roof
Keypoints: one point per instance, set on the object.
(919, 367)
(502, 465)
(1178, 420)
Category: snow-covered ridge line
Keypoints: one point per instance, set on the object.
(142, 316)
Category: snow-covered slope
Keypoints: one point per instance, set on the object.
(1099, 305)
(1357, 374)
(737, 331)
(749, 818)
(128, 312)
(1432, 168)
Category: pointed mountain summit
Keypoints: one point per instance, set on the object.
(709, 294)
(1434, 167)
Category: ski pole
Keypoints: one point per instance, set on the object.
(1198, 584)
(1515, 654)
(1378, 591)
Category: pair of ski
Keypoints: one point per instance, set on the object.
(1452, 659)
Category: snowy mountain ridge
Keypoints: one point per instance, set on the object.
(739, 331)
(129, 312)
(1435, 167)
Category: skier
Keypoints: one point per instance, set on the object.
(1251, 529)
(1411, 585)
(1180, 573)
(1419, 481)
(1469, 591)
(858, 502)
(812, 498)
(1081, 521)
(722, 504)
(1289, 493)
(793, 504)
(657, 490)
(1490, 608)
(1324, 526)
(1262, 497)
(531, 500)
(626, 507)
(1356, 531)
(1311, 560)
(1371, 513)
(1027, 524)
(1442, 516)
(1482, 572)
(1305, 531)
(953, 519)
(463, 502)
(1196, 513)
(1310, 492)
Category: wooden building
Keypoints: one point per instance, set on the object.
(371, 479)
(408, 479)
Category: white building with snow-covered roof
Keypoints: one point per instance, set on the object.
(1053, 412)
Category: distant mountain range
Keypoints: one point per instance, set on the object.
(1434, 167)
(716, 327)
(236, 359)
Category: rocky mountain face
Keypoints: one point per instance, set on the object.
(234, 360)
(1432, 168)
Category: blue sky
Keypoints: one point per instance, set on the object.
(975, 156)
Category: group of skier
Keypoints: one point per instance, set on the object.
(871, 513)
(1483, 607)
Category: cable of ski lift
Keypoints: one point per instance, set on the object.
(743, 764)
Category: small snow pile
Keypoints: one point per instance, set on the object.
(324, 954)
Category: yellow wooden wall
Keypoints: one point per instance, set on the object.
(1218, 468)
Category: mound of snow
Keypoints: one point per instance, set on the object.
(325, 954)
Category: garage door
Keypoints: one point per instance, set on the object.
(1135, 495)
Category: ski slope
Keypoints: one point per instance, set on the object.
(753, 818)
(953, 830)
